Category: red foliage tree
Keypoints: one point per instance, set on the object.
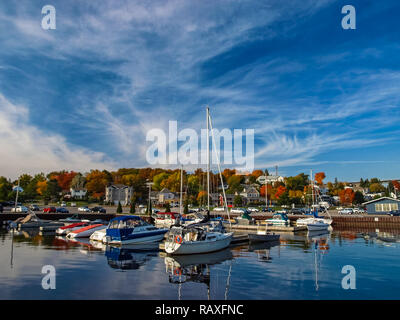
(281, 190)
(319, 177)
(346, 196)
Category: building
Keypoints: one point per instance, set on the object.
(250, 195)
(382, 205)
(119, 193)
(166, 196)
(270, 179)
(77, 193)
(217, 199)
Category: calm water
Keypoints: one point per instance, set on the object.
(302, 266)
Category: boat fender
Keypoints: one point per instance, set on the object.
(178, 272)
(178, 239)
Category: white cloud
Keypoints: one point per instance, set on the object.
(27, 149)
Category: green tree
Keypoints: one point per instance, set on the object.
(119, 208)
(358, 197)
(167, 207)
(237, 201)
(5, 188)
(52, 190)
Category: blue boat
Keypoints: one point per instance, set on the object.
(132, 230)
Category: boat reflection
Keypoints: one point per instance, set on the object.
(129, 257)
(263, 250)
(195, 268)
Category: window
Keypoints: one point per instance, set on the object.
(386, 207)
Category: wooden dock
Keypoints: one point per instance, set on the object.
(269, 228)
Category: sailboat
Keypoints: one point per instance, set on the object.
(201, 237)
(314, 223)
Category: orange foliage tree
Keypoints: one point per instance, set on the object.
(269, 193)
(281, 190)
(96, 182)
(346, 196)
(64, 179)
(396, 185)
(41, 187)
(319, 177)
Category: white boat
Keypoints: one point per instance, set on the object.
(70, 227)
(306, 221)
(85, 232)
(99, 235)
(194, 239)
(278, 219)
(317, 225)
(165, 219)
(132, 230)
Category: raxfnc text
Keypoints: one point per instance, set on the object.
(203, 310)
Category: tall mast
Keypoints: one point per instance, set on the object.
(208, 159)
(180, 199)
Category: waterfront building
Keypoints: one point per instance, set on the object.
(165, 196)
(119, 193)
(382, 205)
(78, 193)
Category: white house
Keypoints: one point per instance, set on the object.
(78, 193)
(270, 179)
(119, 193)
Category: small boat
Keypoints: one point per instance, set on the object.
(73, 219)
(70, 227)
(195, 239)
(263, 237)
(317, 225)
(85, 232)
(31, 221)
(132, 229)
(278, 219)
(165, 219)
(194, 217)
(99, 235)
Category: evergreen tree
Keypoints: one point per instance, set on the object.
(186, 207)
(167, 207)
(132, 209)
(119, 209)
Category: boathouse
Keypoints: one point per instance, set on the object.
(382, 205)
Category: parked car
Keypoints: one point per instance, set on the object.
(239, 210)
(20, 209)
(62, 210)
(98, 209)
(358, 210)
(264, 209)
(50, 210)
(394, 213)
(219, 209)
(34, 207)
(296, 211)
(84, 209)
(73, 204)
(63, 204)
(252, 209)
(346, 211)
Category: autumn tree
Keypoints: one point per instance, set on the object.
(96, 182)
(346, 196)
(281, 190)
(319, 177)
(64, 179)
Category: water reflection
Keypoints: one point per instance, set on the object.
(130, 258)
(195, 268)
(263, 250)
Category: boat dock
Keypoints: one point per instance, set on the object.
(268, 228)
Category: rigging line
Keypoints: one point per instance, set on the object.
(219, 169)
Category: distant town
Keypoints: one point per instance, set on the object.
(136, 186)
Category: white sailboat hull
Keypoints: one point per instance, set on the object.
(195, 247)
(317, 226)
(142, 240)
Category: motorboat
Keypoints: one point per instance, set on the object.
(32, 221)
(317, 225)
(194, 217)
(85, 232)
(195, 239)
(278, 219)
(70, 227)
(99, 235)
(73, 219)
(132, 229)
(165, 219)
(263, 235)
(315, 217)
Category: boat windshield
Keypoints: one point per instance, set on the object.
(125, 224)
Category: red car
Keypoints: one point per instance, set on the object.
(50, 210)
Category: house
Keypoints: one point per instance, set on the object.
(250, 195)
(78, 193)
(217, 199)
(166, 196)
(119, 193)
(382, 205)
(154, 197)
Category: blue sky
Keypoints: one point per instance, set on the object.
(84, 95)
